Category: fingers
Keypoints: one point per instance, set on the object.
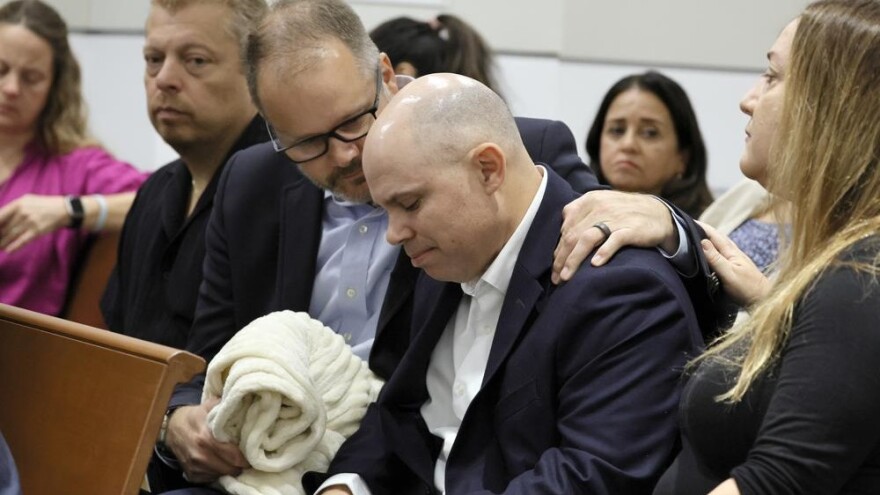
(742, 280)
(207, 466)
(727, 248)
(209, 403)
(27, 218)
(618, 239)
(25, 237)
(6, 214)
(230, 454)
(717, 262)
(203, 458)
(11, 233)
(633, 220)
(19, 230)
(573, 248)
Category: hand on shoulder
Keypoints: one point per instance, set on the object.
(631, 219)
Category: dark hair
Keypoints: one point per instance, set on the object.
(61, 126)
(449, 45)
(690, 192)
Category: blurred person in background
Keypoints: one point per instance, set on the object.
(444, 44)
(645, 138)
(57, 185)
(448, 44)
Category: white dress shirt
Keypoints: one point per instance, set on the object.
(458, 362)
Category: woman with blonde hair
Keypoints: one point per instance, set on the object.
(52, 175)
(787, 402)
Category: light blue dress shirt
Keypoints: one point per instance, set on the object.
(353, 270)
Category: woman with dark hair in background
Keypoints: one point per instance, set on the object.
(645, 138)
(446, 44)
(52, 174)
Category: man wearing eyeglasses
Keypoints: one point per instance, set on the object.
(276, 241)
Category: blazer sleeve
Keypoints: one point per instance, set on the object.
(716, 312)
(368, 454)
(625, 338)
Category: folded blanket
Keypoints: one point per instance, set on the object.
(291, 392)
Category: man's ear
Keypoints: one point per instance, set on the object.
(489, 161)
(388, 73)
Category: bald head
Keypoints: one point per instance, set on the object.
(445, 160)
(447, 115)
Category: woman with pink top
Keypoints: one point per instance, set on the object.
(56, 184)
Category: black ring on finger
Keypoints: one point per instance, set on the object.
(606, 231)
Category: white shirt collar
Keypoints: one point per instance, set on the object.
(500, 270)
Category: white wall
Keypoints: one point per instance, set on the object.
(576, 89)
(535, 86)
(557, 59)
(112, 71)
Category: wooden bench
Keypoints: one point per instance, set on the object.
(81, 407)
(91, 273)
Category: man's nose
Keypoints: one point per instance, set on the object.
(398, 232)
(168, 77)
(342, 153)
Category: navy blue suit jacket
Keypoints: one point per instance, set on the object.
(262, 248)
(580, 390)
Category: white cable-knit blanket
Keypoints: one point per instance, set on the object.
(291, 392)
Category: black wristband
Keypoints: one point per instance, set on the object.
(75, 210)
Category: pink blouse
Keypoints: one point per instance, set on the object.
(36, 276)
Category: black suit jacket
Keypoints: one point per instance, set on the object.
(580, 389)
(263, 238)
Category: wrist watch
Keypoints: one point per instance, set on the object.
(74, 207)
(163, 430)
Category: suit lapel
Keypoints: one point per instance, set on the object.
(403, 279)
(407, 390)
(442, 299)
(516, 311)
(302, 207)
(530, 280)
(394, 328)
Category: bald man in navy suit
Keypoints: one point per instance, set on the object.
(511, 384)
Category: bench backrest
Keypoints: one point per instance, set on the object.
(91, 273)
(81, 407)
